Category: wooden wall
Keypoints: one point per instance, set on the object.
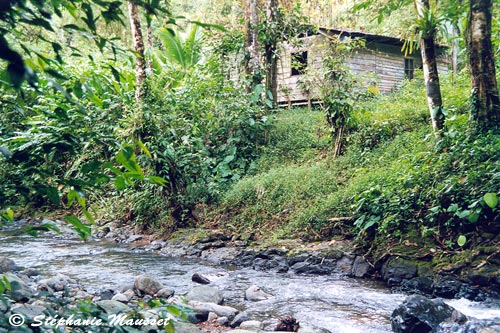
(377, 64)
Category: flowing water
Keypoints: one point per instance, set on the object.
(335, 303)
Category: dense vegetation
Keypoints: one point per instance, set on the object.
(178, 144)
(392, 180)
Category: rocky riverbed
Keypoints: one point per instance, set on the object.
(219, 281)
(401, 273)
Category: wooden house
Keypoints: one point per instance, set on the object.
(380, 63)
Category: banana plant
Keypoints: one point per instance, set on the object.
(181, 53)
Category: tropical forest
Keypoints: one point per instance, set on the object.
(222, 166)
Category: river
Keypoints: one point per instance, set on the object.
(335, 303)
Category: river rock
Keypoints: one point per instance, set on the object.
(30, 272)
(345, 263)
(360, 267)
(147, 284)
(472, 326)
(112, 307)
(129, 293)
(420, 314)
(310, 268)
(220, 255)
(240, 317)
(180, 327)
(7, 265)
(199, 278)
(254, 325)
(205, 294)
(29, 310)
(20, 291)
(219, 310)
(120, 298)
(421, 285)
(395, 270)
(255, 294)
(165, 293)
(59, 282)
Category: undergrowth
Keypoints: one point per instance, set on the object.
(393, 178)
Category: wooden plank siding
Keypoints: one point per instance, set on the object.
(376, 64)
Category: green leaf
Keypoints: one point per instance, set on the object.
(120, 183)
(473, 218)
(461, 240)
(88, 216)
(34, 230)
(72, 195)
(81, 229)
(491, 199)
(53, 195)
(144, 148)
(8, 215)
(156, 180)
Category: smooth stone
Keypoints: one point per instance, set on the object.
(20, 291)
(7, 265)
(255, 294)
(212, 316)
(220, 310)
(120, 298)
(147, 284)
(59, 282)
(240, 317)
(199, 278)
(165, 293)
(360, 267)
(205, 294)
(112, 307)
(29, 310)
(129, 293)
(251, 325)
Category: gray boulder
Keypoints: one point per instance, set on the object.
(29, 310)
(112, 307)
(165, 293)
(205, 294)
(199, 278)
(7, 265)
(360, 267)
(420, 314)
(255, 294)
(59, 282)
(120, 298)
(147, 285)
(20, 291)
(219, 310)
(395, 270)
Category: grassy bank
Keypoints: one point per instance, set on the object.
(395, 183)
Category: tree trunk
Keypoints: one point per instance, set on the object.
(252, 62)
(140, 62)
(486, 104)
(150, 47)
(270, 51)
(431, 77)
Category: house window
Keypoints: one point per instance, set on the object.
(409, 68)
(299, 63)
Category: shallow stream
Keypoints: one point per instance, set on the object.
(336, 303)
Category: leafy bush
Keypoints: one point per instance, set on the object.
(393, 178)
